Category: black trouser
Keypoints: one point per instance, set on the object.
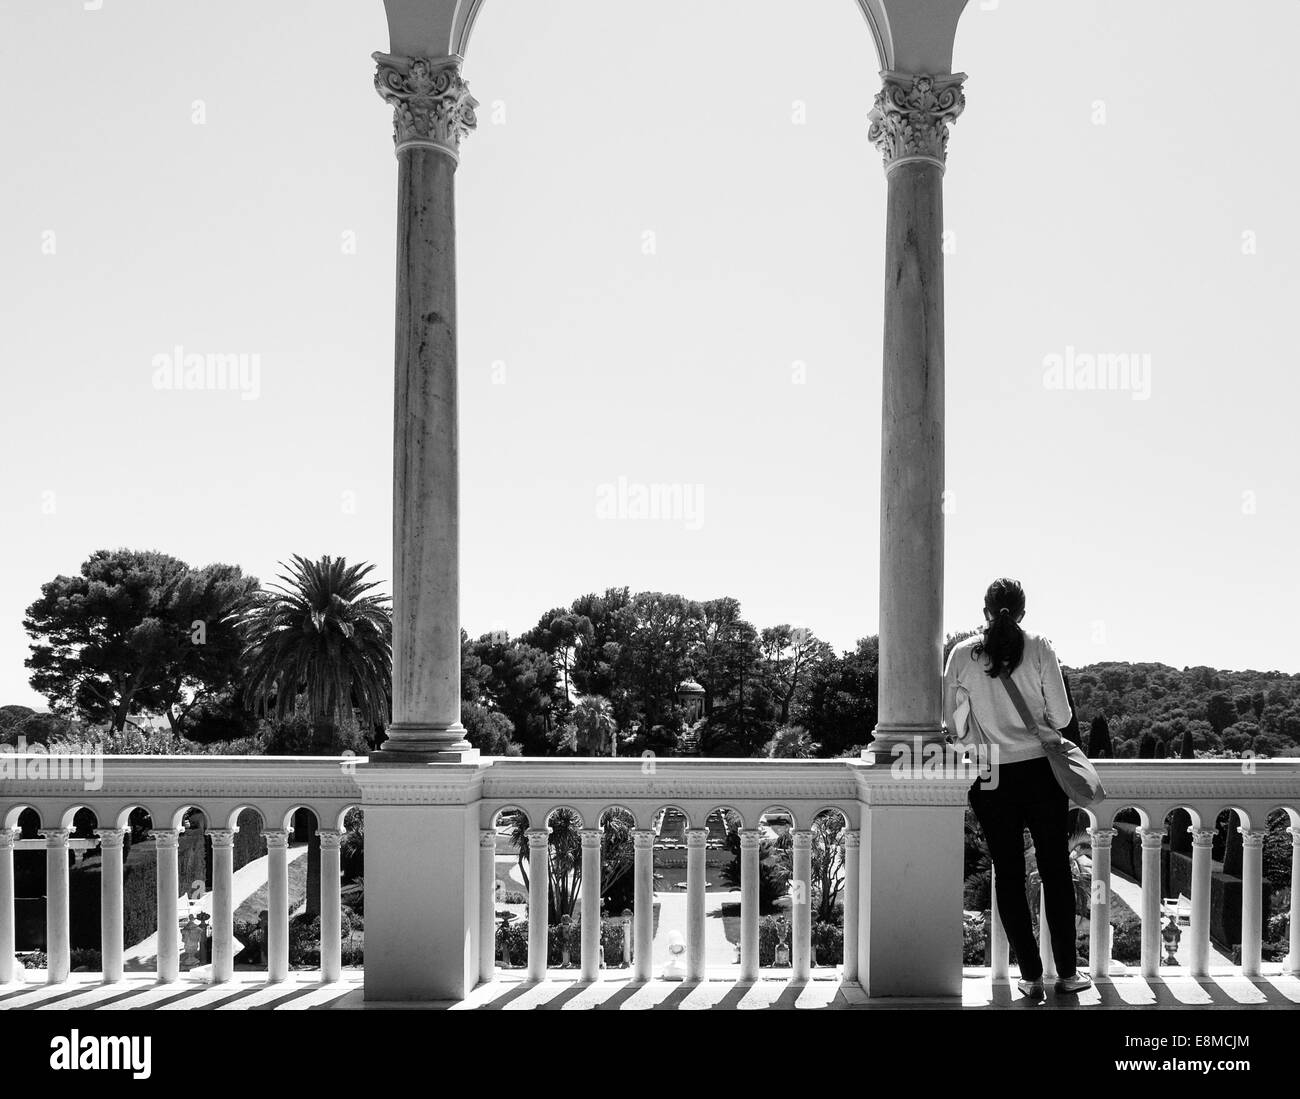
(1027, 796)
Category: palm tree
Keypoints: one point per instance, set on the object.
(319, 645)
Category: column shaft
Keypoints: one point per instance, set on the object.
(1293, 956)
(432, 111)
(852, 898)
(801, 907)
(749, 842)
(1252, 899)
(8, 963)
(912, 458)
(591, 885)
(1152, 840)
(487, 904)
(58, 945)
(169, 953)
(695, 886)
(331, 905)
(643, 904)
(539, 879)
(1202, 843)
(1099, 908)
(110, 903)
(277, 904)
(223, 911)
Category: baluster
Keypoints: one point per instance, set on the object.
(166, 842)
(695, 886)
(1099, 909)
(591, 904)
(539, 856)
(277, 904)
(999, 944)
(1252, 898)
(487, 907)
(223, 913)
(1152, 840)
(643, 914)
(1293, 956)
(1202, 843)
(749, 841)
(110, 902)
(58, 947)
(331, 905)
(801, 907)
(852, 895)
(8, 938)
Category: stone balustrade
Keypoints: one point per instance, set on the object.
(901, 835)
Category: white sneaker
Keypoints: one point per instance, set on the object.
(1032, 990)
(1076, 983)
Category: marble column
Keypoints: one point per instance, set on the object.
(1292, 965)
(1202, 844)
(539, 884)
(1252, 899)
(591, 904)
(166, 841)
(801, 906)
(696, 838)
(223, 908)
(749, 844)
(909, 125)
(852, 898)
(8, 963)
(643, 903)
(331, 904)
(58, 941)
(1152, 841)
(277, 904)
(432, 112)
(487, 904)
(110, 902)
(1099, 906)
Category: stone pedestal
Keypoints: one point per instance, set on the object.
(910, 923)
(422, 880)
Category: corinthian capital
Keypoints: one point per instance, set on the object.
(913, 111)
(432, 107)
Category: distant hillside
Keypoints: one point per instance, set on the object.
(1225, 711)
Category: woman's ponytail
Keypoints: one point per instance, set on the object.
(1003, 641)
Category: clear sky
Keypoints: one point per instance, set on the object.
(1122, 182)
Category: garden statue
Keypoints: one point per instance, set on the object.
(566, 930)
(782, 951)
(1171, 935)
(627, 937)
(503, 936)
(676, 968)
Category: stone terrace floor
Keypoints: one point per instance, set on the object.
(249, 991)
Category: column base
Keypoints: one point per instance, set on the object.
(416, 742)
(881, 752)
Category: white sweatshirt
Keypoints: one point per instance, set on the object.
(967, 687)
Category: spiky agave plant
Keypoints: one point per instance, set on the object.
(317, 644)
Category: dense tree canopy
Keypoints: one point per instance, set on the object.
(136, 632)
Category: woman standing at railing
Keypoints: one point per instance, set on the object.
(1020, 791)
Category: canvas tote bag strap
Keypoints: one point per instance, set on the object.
(1022, 708)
